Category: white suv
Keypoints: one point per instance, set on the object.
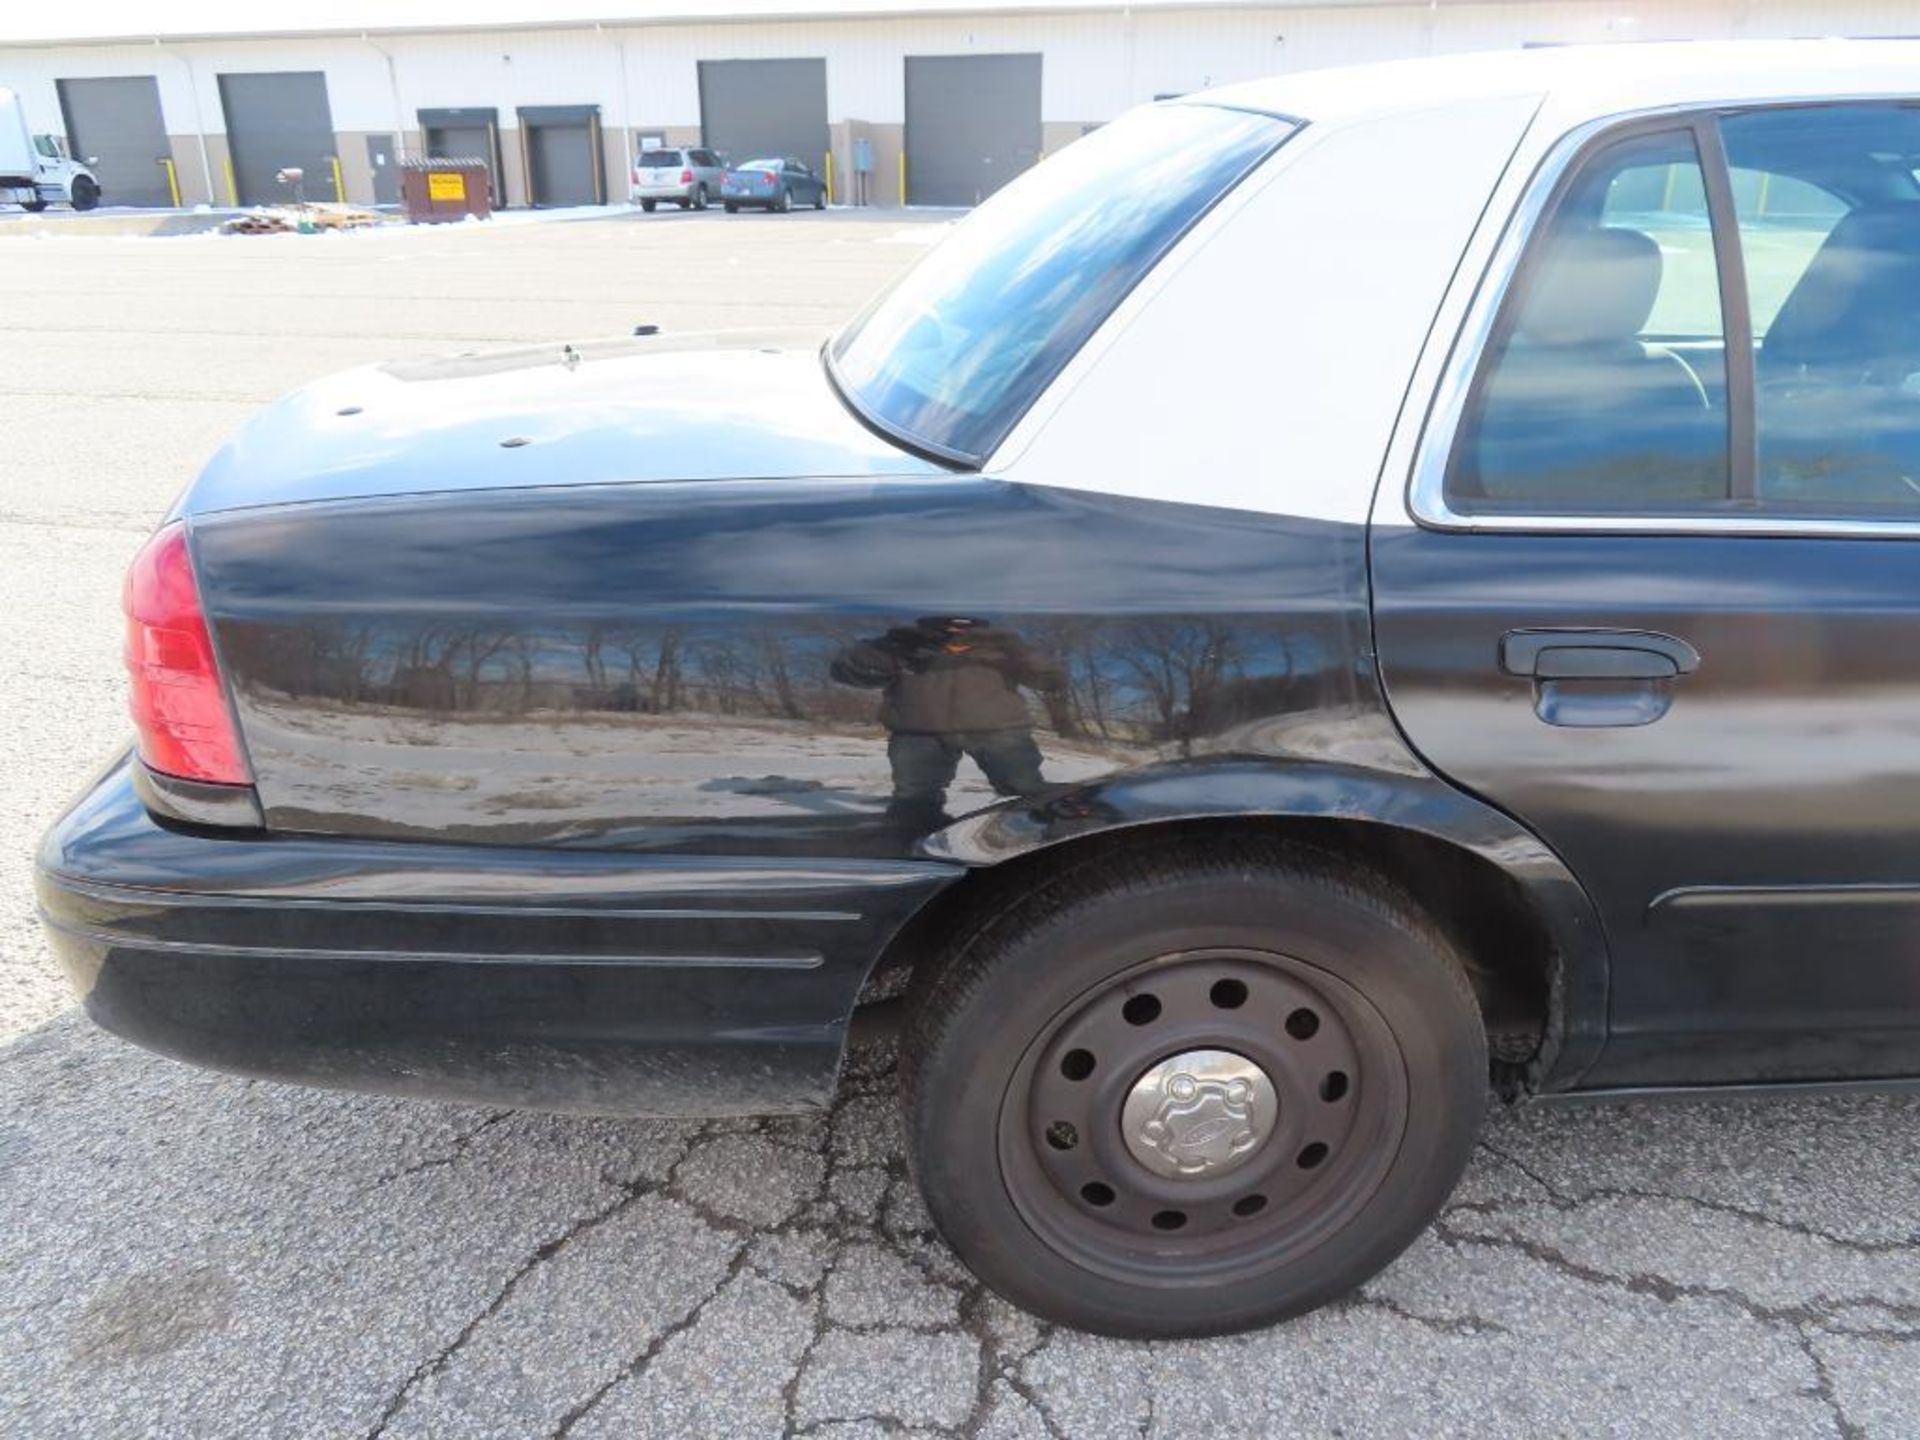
(689, 178)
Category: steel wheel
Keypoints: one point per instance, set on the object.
(1210, 1111)
(1182, 1089)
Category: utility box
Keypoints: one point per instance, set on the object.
(435, 189)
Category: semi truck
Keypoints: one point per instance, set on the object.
(35, 169)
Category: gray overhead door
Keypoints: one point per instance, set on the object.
(973, 123)
(276, 121)
(562, 147)
(757, 108)
(114, 123)
(467, 133)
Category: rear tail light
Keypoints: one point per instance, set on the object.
(178, 700)
(686, 177)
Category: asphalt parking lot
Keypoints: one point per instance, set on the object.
(185, 1254)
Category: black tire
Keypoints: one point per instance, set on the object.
(34, 206)
(700, 197)
(785, 202)
(730, 207)
(647, 205)
(83, 193)
(820, 199)
(684, 204)
(1354, 1005)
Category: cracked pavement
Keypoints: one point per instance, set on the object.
(189, 1254)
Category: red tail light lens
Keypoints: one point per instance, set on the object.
(179, 703)
(686, 177)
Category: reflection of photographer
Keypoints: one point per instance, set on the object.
(951, 687)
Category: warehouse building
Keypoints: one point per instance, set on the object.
(938, 106)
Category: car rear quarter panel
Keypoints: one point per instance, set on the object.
(652, 667)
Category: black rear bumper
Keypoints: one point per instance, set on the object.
(552, 979)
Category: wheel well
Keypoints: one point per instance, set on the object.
(1509, 954)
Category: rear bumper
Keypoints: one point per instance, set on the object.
(567, 980)
(663, 192)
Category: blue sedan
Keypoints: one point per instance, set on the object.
(777, 184)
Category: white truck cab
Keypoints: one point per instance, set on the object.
(35, 170)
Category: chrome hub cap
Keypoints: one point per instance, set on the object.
(1198, 1114)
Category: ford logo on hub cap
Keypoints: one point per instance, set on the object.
(1199, 1113)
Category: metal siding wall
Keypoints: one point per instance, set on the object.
(1097, 63)
(1798, 18)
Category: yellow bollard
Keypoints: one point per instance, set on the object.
(829, 177)
(173, 182)
(339, 185)
(903, 178)
(233, 189)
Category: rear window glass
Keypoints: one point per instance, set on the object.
(761, 165)
(951, 357)
(655, 159)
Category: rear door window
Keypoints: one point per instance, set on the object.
(1606, 386)
(1829, 220)
(1756, 353)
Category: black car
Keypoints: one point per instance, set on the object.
(1324, 595)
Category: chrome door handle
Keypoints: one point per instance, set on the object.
(1618, 677)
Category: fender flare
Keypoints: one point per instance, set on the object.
(1405, 798)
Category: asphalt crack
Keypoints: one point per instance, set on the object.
(1561, 1200)
(1824, 1391)
(641, 1359)
(461, 1143)
(1452, 1326)
(629, 1193)
(1796, 1321)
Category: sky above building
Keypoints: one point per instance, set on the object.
(176, 19)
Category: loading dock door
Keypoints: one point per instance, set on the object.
(973, 123)
(759, 108)
(466, 134)
(561, 145)
(275, 121)
(116, 121)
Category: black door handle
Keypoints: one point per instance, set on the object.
(1596, 655)
(1623, 673)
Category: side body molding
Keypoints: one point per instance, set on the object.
(1399, 795)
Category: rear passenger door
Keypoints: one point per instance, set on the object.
(1662, 599)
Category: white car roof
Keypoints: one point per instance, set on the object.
(1579, 83)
